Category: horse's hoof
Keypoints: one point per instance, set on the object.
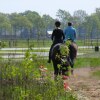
(72, 72)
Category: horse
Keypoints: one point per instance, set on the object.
(63, 56)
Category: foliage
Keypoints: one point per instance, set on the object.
(23, 81)
(64, 50)
(80, 15)
(63, 16)
(5, 24)
(2, 44)
(31, 23)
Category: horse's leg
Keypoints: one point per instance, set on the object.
(73, 53)
(56, 70)
(72, 66)
(73, 57)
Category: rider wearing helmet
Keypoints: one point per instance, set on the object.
(57, 37)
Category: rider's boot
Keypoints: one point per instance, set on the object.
(49, 61)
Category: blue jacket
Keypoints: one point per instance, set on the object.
(70, 33)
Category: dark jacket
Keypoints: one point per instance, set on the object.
(57, 36)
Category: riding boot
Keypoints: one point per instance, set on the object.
(49, 60)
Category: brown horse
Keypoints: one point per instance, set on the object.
(60, 61)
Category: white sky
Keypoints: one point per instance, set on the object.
(48, 6)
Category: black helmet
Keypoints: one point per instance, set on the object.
(57, 23)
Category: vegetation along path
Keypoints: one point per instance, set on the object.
(84, 84)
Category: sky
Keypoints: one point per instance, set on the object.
(49, 7)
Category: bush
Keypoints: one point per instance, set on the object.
(23, 81)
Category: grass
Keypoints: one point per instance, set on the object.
(21, 51)
(18, 81)
(42, 43)
(79, 62)
(19, 75)
(96, 74)
(87, 62)
(26, 89)
(27, 43)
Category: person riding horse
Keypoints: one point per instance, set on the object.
(57, 37)
(70, 34)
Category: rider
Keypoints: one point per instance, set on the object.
(57, 37)
(70, 34)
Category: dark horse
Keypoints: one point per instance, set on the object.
(60, 61)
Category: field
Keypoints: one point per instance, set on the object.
(20, 79)
(18, 43)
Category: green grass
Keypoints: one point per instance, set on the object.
(42, 43)
(87, 62)
(79, 62)
(21, 51)
(26, 43)
(26, 88)
(96, 74)
(20, 80)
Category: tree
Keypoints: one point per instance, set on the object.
(37, 23)
(19, 22)
(48, 22)
(93, 27)
(63, 16)
(5, 25)
(80, 15)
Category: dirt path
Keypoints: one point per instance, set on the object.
(86, 86)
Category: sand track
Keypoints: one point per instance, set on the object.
(84, 84)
